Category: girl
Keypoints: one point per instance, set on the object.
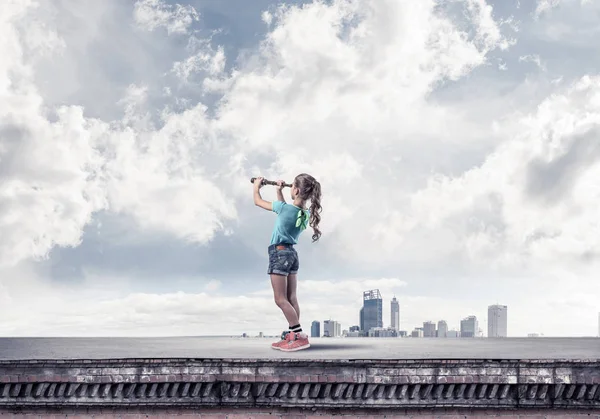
(292, 219)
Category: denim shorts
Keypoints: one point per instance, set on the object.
(283, 260)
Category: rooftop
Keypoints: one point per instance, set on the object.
(321, 348)
(359, 374)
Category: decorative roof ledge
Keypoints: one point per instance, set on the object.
(282, 383)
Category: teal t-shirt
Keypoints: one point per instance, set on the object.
(290, 222)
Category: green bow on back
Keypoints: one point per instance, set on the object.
(302, 219)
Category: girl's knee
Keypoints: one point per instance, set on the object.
(281, 301)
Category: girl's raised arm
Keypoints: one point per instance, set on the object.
(258, 201)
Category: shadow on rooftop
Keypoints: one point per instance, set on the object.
(335, 347)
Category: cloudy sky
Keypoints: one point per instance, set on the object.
(457, 142)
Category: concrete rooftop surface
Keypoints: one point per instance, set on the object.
(321, 348)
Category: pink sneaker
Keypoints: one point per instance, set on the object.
(296, 343)
(285, 338)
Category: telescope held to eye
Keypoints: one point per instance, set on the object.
(270, 182)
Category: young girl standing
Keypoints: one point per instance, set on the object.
(291, 220)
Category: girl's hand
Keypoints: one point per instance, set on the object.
(258, 183)
(280, 184)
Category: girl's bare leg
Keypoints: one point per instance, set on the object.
(292, 283)
(279, 284)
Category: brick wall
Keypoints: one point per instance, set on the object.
(359, 386)
(303, 414)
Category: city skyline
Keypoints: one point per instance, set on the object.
(371, 322)
(469, 326)
(428, 328)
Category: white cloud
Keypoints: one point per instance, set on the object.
(203, 58)
(96, 308)
(533, 58)
(56, 175)
(49, 184)
(267, 17)
(164, 167)
(545, 5)
(358, 97)
(386, 102)
(567, 22)
(176, 19)
(520, 202)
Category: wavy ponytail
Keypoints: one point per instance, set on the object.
(315, 211)
(311, 189)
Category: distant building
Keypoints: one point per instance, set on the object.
(497, 319)
(331, 329)
(261, 335)
(429, 329)
(354, 329)
(469, 327)
(380, 332)
(452, 334)
(315, 329)
(361, 322)
(371, 314)
(442, 329)
(417, 333)
(395, 314)
(354, 334)
(402, 333)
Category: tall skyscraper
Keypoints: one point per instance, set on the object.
(497, 316)
(395, 310)
(372, 311)
(442, 331)
(429, 329)
(315, 329)
(469, 327)
(361, 323)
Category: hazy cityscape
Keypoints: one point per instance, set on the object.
(371, 323)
